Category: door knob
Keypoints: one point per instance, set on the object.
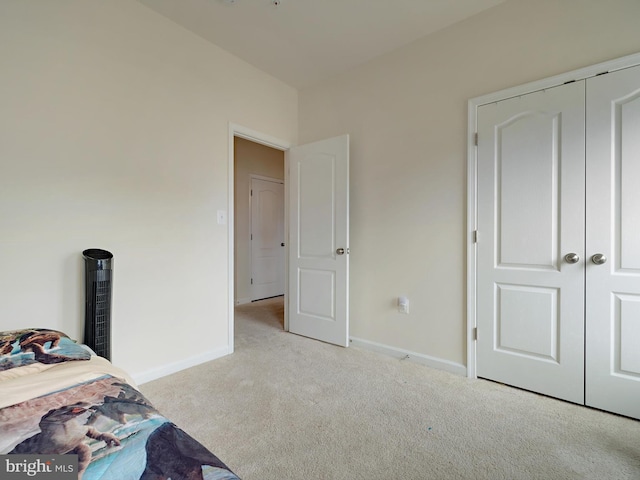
(340, 251)
(572, 258)
(598, 259)
(282, 244)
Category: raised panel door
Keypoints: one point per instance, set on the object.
(613, 229)
(530, 312)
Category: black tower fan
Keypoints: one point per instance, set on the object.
(98, 287)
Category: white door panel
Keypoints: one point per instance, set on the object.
(318, 297)
(267, 238)
(530, 313)
(613, 229)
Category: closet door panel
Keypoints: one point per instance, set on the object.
(530, 313)
(613, 229)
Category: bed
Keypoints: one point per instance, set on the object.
(58, 398)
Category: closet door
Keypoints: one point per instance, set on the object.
(530, 251)
(613, 230)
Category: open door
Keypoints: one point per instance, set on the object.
(318, 295)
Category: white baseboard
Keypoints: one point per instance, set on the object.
(170, 368)
(242, 301)
(427, 360)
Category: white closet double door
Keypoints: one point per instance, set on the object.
(558, 273)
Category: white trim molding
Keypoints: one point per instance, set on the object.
(472, 126)
(253, 176)
(170, 368)
(401, 354)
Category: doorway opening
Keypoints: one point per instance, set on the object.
(316, 192)
(259, 222)
(254, 156)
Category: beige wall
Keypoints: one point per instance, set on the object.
(114, 134)
(406, 113)
(250, 159)
(114, 131)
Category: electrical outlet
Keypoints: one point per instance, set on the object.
(403, 305)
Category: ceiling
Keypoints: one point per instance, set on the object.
(303, 42)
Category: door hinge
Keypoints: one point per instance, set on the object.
(252, 281)
(252, 236)
(475, 333)
(475, 236)
(252, 192)
(475, 139)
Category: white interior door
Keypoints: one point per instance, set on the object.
(530, 311)
(318, 296)
(267, 238)
(613, 230)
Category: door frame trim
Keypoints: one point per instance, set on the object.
(472, 174)
(236, 130)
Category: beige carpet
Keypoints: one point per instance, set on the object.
(287, 407)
